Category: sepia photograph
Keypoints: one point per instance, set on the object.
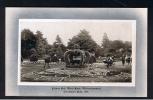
(79, 52)
(74, 51)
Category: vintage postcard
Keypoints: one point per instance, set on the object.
(76, 52)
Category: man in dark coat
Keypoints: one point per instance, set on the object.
(123, 60)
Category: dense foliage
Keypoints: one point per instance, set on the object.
(84, 40)
(37, 42)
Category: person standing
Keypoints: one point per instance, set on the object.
(123, 60)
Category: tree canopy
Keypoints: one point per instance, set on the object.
(105, 41)
(84, 40)
(114, 47)
(28, 41)
(58, 47)
(41, 44)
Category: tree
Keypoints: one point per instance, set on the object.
(84, 40)
(106, 45)
(58, 39)
(117, 44)
(58, 42)
(41, 44)
(28, 41)
(99, 51)
(120, 47)
(33, 51)
(105, 41)
(128, 44)
(58, 47)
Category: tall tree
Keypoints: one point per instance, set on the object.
(28, 41)
(84, 40)
(41, 44)
(58, 39)
(128, 44)
(117, 44)
(105, 41)
(58, 47)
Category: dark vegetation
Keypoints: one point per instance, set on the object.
(36, 43)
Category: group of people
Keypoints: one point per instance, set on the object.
(109, 60)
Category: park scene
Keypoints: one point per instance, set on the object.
(78, 54)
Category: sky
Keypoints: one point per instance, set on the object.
(66, 29)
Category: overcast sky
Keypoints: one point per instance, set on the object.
(66, 29)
